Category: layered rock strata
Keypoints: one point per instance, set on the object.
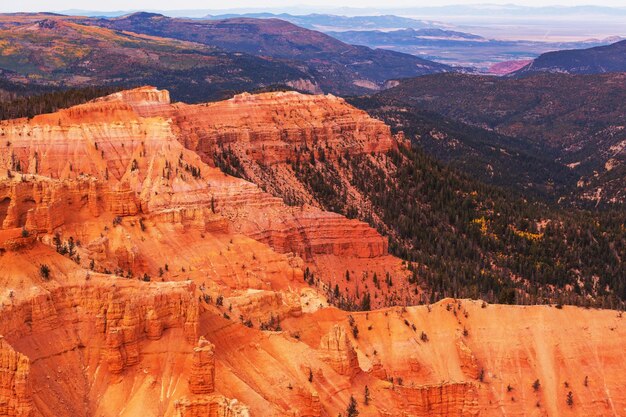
(15, 386)
(337, 350)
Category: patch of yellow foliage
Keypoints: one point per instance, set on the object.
(7, 48)
(527, 235)
(482, 222)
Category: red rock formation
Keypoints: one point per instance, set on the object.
(309, 403)
(213, 406)
(191, 323)
(445, 400)
(270, 127)
(115, 352)
(120, 156)
(336, 349)
(98, 344)
(138, 162)
(145, 101)
(101, 305)
(202, 379)
(154, 327)
(469, 364)
(15, 387)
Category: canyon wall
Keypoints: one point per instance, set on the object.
(271, 127)
(137, 278)
(15, 386)
(122, 156)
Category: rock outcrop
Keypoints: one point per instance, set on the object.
(110, 321)
(117, 312)
(469, 364)
(337, 350)
(309, 404)
(202, 379)
(145, 101)
(15, 387)
(445, 400)
(213, 406)
(272, 127)
(154, 327)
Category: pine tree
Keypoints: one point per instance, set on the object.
(536, 385)
(366, 396)
(352, 410)
(366, 302)
(44, 271)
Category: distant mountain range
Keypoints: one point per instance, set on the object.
(458, 48)
(404, 36)
(597, 60)
(197, 60)
(382, 10)
(462, 36)
(334, 65)
(427, 39)
(259, 51)
(330, 22)
(40, 51)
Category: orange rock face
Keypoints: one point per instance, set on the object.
(270, 127)
(136, 278)
(217, 406)
(15, 390)
(337, 350)
(123, 155)
(202, 379)
(265, 137)
(448, 399)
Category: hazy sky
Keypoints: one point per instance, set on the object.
(57, 5)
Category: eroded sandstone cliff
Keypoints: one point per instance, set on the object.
(137, 278)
